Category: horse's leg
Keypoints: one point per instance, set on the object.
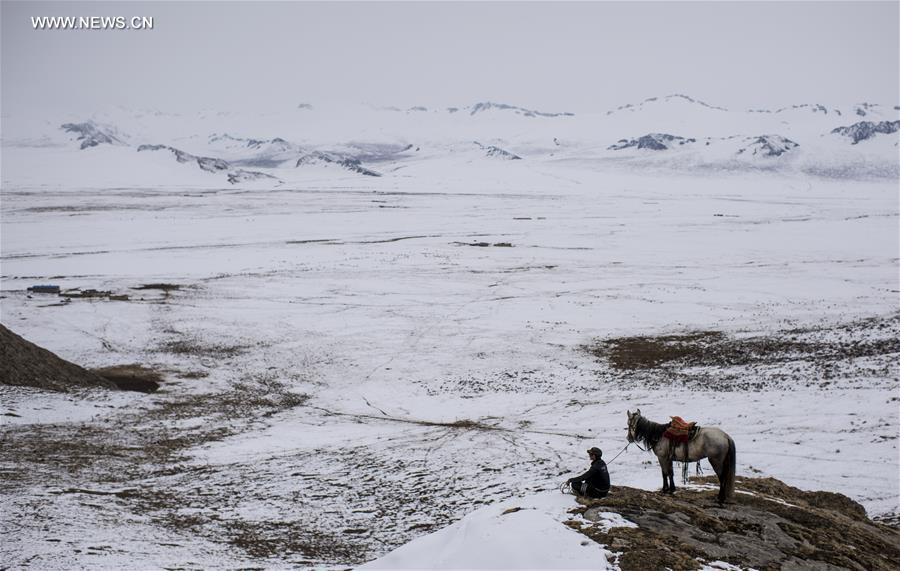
(724, 465)
(717, 463)
(668, 479)
(671, 477)
(663, 462)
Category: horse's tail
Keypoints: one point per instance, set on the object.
(729, 469)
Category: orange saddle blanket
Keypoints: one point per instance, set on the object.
(679, 430)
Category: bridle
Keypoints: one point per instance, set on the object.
(632, 436)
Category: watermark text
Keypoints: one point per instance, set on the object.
(92, 22)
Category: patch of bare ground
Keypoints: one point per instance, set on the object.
(820, 356)
(143, 441)
(192, 346)
(462, 424)
(768, 526)
(261, 396)
(133, 377)
(125, 459)
(273, 539)
(485, 244)
(159, 286)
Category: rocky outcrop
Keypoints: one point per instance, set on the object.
(769, 525)
(768, 146)
(863, 109)
(212, 164)
(208, 164)
(241, 175)
(270, 145)
(812, 107)
(91, 134)
(497, 152)
(652, 141)
(349, 163)
(865, 130)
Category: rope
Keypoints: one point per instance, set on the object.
(620, 452)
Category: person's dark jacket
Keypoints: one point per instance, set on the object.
(596, 477)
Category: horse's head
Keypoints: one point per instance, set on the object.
(632, 423)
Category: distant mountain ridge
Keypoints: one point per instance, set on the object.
(668, 98)
(489, 105)
(366, 141)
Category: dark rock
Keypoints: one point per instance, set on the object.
(90, 134)
(208, 164)
(493, 151)
(769, 146)
(652, 141)
(241, 175)
(865, 130)
(350, 163)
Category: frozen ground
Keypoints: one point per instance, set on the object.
(354, 363)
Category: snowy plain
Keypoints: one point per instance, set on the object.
(436, 320)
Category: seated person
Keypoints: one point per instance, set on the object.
(595, 482)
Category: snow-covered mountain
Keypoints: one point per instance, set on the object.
(676, 132)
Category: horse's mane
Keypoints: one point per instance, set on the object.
(648, 432)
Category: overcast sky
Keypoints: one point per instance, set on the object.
(572, 57)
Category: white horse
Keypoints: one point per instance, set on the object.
(708, 442)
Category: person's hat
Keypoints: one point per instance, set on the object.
(596, 452)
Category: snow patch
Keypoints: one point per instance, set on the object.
(527, 533)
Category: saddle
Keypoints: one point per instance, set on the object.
(680, 431)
